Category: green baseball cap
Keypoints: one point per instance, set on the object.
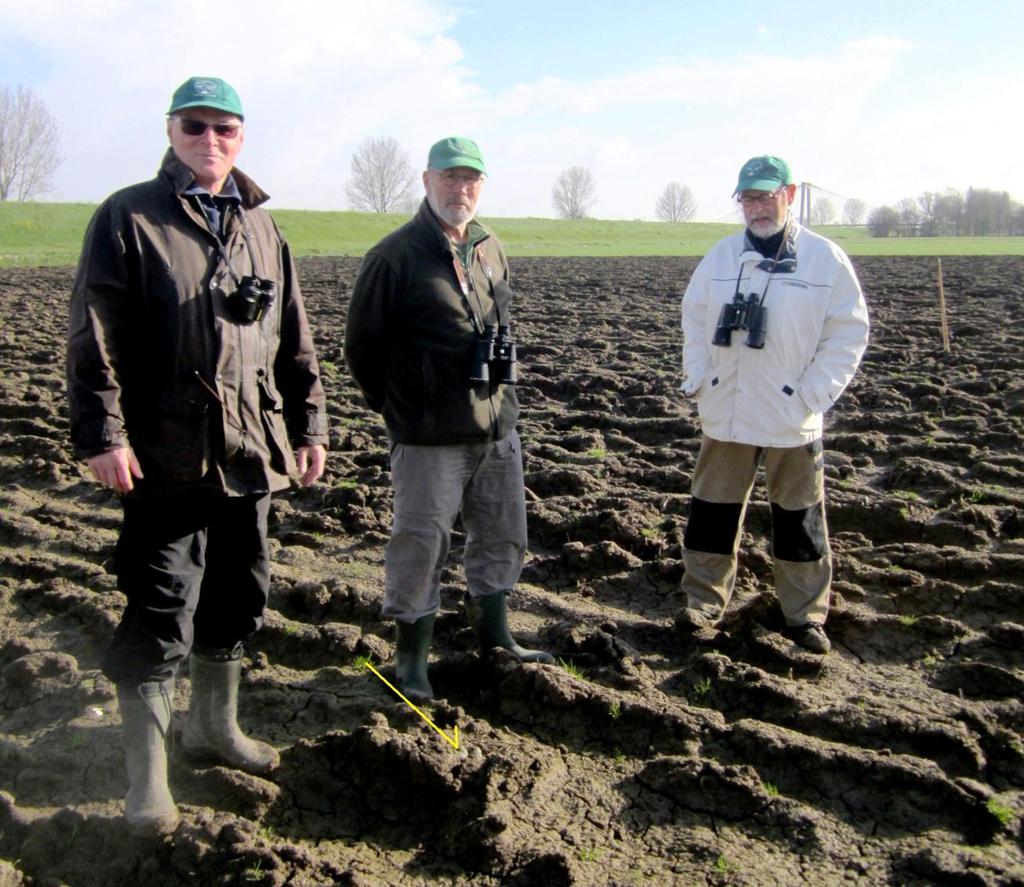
(207, 92)
(764, 173)
(455, 151)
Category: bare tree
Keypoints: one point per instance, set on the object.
(574, 192)
(910, 218)
(383, 179)
(930, 204)
(28, 144)
(822, 211)
(883, 221)
(676, 204)
(987, 212)
(951, 212)
(853, 211)
(1017, 220)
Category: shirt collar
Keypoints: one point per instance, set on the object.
(229, 190)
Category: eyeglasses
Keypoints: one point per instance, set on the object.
(198, 127)
(450, 177)
(766, 199)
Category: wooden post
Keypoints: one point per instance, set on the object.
(942, 312)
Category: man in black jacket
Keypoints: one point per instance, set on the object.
(428, 341)
(191, 375)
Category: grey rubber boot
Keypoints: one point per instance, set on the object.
(488, 616)
(412, 646)
(211, 728)
(149, 808)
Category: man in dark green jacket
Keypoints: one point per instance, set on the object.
(429, 343)
(191, 375)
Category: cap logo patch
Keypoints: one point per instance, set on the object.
(204, 87)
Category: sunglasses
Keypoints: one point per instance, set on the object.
(197, 128)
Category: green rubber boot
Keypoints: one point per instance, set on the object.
(149, 809)
(412, 646)
(211, 729)
(488, 616)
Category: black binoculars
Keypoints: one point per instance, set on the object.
(250, 301)
(494, 356)
(743, 313)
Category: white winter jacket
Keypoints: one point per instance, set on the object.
(817, 330)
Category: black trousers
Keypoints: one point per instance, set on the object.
(196, 570)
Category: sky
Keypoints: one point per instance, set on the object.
(874, 100)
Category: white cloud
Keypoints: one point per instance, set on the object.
(695, 123)
(314, 79)
(867, 118)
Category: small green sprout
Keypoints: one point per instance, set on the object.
(1000, 811)
(702, 688)
(723, 865)
(571, 667)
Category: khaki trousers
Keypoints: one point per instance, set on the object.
(801, 556)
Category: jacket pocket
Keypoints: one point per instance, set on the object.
(175, 447)
(282, 459)
(794, 410)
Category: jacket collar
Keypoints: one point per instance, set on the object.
(426, 219)
(181, 177)
(785, 262)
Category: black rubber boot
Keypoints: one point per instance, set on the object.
(211, 729)
(412, 646)
(488, 616)
(149, 809)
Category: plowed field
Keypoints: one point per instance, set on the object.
(647, 757)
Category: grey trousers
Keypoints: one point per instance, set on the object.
(432, 484)
(801, 556)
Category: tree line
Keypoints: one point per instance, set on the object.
(980, 212)
(383, 180)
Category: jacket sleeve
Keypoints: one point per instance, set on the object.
(696, 337)
(97, 320)
(367, 328)
(843, 341)
(296, 370)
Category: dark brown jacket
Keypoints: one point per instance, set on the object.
(409, 338)
(156, 360)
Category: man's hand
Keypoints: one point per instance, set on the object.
(115, 468)
(311, 461)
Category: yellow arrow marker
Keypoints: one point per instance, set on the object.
(454, 743)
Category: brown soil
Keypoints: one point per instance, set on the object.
(729, 758)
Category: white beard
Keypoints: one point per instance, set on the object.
(765, 228)
(455, 216)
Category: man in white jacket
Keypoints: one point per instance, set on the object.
(774, 326)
